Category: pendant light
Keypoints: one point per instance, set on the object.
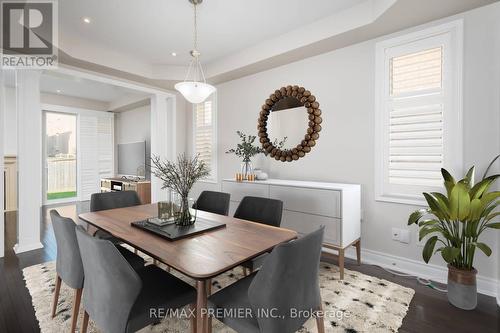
(196, 90)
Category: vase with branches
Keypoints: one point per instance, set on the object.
(246, 150)
(180, 176)
(453, 224)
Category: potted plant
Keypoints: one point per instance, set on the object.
(455, 222)
(180, 176)
(246, 150)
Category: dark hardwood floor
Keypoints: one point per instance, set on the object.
(429, 310)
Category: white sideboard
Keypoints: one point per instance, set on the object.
(308, 205)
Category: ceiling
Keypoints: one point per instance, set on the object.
(151, 30)
(52, 82)
(134, 39)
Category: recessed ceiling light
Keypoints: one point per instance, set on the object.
(86, 20)
(58, 91)
(173, 54)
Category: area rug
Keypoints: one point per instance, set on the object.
(359, 303)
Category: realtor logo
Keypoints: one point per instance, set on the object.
(29, 34)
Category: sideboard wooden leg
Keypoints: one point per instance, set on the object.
(358, 251)
(341, 263)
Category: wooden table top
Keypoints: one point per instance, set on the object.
(201, 256)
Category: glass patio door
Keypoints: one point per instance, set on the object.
(60, 157)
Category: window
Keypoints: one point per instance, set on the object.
(204, 140)
(418, 112)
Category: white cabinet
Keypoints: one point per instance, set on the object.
(309, 205)
(308, 200)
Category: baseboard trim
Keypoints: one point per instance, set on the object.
(485, 285)
(28, 247)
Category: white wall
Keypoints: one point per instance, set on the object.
(133, 126)
(10, 123)
(343, 82)
(2, 117)
(182, 120)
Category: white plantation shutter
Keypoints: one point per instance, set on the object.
(96, 151)
(418, 112)
(105, 135)
(416, 145)
(89, 155)
(416, 71)
(205, 133)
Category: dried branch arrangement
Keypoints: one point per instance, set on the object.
(180, 176)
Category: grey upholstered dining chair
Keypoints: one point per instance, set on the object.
(119, 299)
(69, 266)
(112, 200)
(261, 210)
(287, 283)
(213, 202)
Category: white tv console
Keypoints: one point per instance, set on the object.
(307, 205)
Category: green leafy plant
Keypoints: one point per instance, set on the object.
(456, 220)
(246, 149)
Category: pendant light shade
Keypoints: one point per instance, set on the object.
(195, 90)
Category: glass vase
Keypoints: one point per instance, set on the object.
(184, 216)
(246, 169)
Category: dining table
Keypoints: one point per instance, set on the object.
(200, 257)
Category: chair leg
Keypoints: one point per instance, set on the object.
(341, 263)
(320, 323)
(244, 271)
(209, 287)
(135, 251)
(56, 295)
(85, 322)
(358, 251)
(76, 309)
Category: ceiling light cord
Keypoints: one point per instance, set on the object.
(195, 42)
(198, 74)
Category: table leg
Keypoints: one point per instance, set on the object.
(201, 306)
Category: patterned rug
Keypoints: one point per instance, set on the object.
(360, 303)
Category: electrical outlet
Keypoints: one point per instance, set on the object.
(396, 233)
(401, 235)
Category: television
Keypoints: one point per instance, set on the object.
(132, 159)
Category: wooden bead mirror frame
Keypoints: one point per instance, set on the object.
(304, 98)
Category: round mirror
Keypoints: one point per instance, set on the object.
(289, 123)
